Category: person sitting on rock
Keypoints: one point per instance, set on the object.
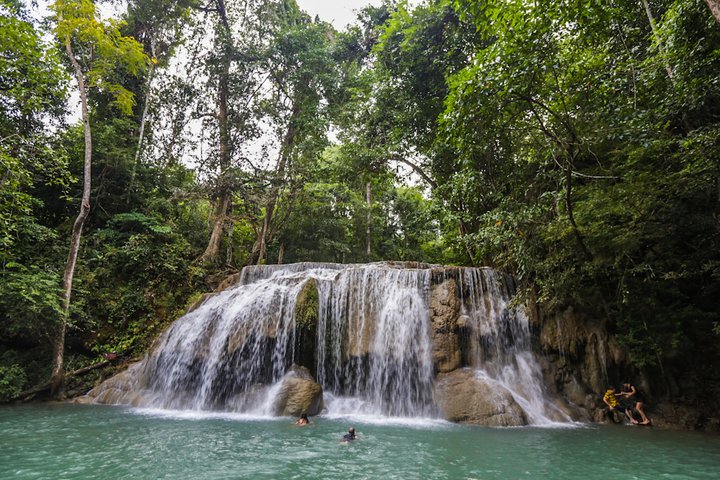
(303, 420)
(350, 436)
(611, 400)
(635, 400)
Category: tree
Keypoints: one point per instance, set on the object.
(301, 74)
(32, 96)
(714, 6)
(94, 49)
(233, 71)
(157, 25)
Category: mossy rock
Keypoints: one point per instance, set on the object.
(307, 312)
(307, 306)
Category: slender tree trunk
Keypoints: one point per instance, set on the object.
(58, 371)
(219, 219)
(714, 6)
(656, 36)
(143, 121)
(229, 248)
(368, 231)
(281, 254)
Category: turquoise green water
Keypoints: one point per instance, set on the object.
(85, 441)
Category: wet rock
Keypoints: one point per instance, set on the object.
(228, 282)
(194, 304)
(307, 306)
(299, 394)
(444, 313)
(118, 389)
(585, 354)
(307, 313)
(463, 397)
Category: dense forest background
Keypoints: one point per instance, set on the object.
(575, 144)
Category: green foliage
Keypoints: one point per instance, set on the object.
(32, 81)
(101, 48)
(566, 142)
(581, 156)
(12, 380)
(30, 297)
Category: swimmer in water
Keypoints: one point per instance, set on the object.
(350, 436)
(303, 420)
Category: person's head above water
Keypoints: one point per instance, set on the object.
(303, 416)
(350, 436)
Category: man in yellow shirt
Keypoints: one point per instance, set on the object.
(611, 400)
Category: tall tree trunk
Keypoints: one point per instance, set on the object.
(219, 219)
(658, 39)
(212, 251)
(368, 231)
(143, 121)
(714, 6)
(58, 371)
(229, 247)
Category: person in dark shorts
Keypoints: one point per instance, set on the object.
(635, 400)
(617, 402)
(350, 436)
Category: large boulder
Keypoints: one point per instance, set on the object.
(445, 339)
(464, 397)
(121, 389)
(299, 393)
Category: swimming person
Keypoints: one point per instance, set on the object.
(303, 420)
(635, 400)
(350, 436)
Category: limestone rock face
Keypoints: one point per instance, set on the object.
(463, 397)
(299, 394)
(119, 389)
(582, 354)
(444, 312)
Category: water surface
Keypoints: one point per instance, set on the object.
(90, 441)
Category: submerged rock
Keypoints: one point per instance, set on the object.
(464, 397)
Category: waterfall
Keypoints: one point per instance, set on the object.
(500, 346)
(374, 322)
(369, 344)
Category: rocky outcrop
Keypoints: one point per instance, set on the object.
(307, 313)
(299, 393)
(464, 397)
(579, 357)
(445, 338)
(121, 389)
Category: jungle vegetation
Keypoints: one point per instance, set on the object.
(575, 144)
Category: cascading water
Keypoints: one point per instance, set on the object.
(499, 346)
(371, 348)
(374, 327)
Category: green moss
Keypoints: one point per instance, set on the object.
(307, 306)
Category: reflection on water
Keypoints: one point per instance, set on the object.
(83, 442)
